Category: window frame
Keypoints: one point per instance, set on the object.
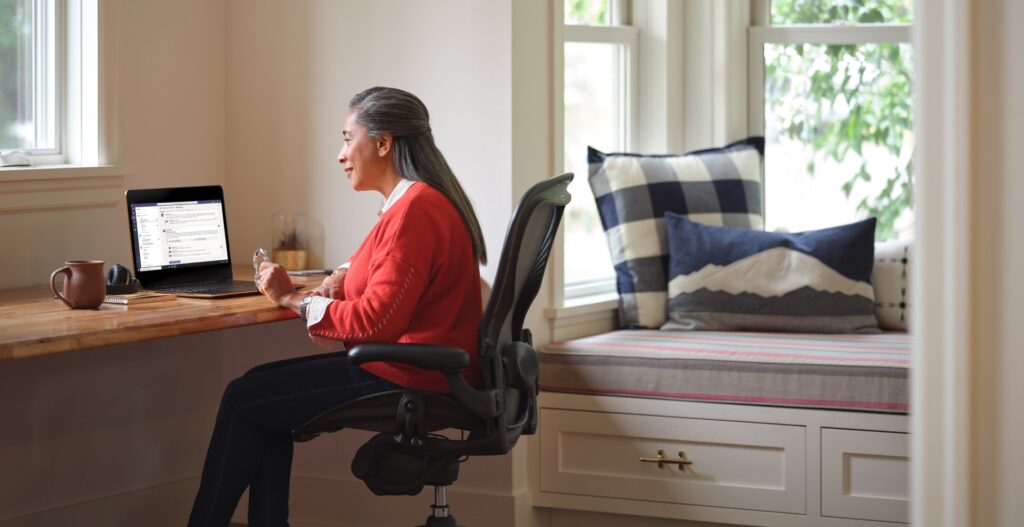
(48, 63)
(82, 108)
(617, 33)
(836, 34)
(762, 32)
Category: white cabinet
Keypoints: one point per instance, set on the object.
(725, 464)
(746, 465)
(865, 475)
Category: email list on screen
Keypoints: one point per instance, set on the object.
(178, 234)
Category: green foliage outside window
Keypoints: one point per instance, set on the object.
(586, 12)
(858, 96)
(833, 11)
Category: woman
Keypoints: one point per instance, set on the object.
(414, 278)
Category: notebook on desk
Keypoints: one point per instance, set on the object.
(180, 242)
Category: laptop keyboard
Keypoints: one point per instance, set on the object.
(211, 289)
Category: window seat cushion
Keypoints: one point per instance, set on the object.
(854, 372)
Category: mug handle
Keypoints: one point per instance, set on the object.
(53, 286)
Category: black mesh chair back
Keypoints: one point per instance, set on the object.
(509, 362)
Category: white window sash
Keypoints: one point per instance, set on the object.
(627, 37)
(48, 74)
(601, 34)
(47, 79)
(70, 70)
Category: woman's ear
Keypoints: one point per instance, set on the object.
(384, 144)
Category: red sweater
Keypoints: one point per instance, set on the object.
(413, 279)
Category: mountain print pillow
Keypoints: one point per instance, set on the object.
(729, 279)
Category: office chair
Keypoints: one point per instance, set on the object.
(406, 454)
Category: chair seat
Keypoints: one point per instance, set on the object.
(377, 413)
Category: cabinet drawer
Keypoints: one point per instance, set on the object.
(865, 475)
(734, 464)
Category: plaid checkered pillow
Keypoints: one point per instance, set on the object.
(718, 186)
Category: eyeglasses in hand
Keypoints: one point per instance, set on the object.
(258, 258)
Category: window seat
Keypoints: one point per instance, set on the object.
(741, 428)
(850, 372)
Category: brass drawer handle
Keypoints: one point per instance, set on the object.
(682, 462)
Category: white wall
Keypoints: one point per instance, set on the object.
(292, 68)
(171, 91)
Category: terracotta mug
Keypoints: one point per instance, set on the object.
(84, 284)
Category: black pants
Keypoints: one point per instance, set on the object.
(252, 444)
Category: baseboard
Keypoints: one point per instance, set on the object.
(322, 502)
(315, 502)
(166, 505)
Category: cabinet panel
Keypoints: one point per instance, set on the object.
(865, 475)
(731, 464)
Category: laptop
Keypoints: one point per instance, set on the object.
(180, 242)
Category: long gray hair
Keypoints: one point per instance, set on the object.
(403, 115)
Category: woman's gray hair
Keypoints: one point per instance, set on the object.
(403, 115)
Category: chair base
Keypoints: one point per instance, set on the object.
(439, 515)
(440, 522)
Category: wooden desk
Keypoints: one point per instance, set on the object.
(33, 323)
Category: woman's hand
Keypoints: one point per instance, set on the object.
(333, 286)
(275, 284)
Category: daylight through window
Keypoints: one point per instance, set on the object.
(29, 81)
(833, 85)
(598, 101)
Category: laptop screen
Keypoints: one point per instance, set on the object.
(175, 234)
(179, 235)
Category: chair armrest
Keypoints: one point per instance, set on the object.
(425, 356)
(450, 361)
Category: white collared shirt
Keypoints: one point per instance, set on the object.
(396, 194)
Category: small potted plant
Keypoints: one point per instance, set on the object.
(290, 250)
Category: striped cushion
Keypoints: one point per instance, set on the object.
(856, 372)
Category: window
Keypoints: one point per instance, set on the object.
(29, 76)
(49, 80)
(598, 102)
(831, 91)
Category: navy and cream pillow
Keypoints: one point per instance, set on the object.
(736, 279)
(891, 278)
(719, 186)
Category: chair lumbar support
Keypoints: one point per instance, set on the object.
(440, 517)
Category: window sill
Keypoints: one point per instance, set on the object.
(51, 188)
(42, 172)
(584, 305)
(584, 316)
